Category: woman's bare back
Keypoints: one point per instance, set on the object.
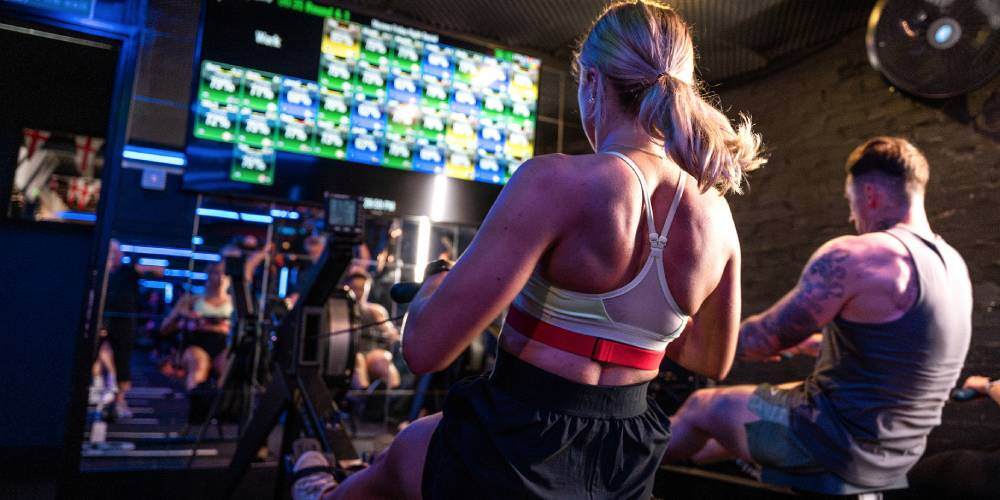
(606, 244)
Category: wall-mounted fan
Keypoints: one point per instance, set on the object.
(935, 48)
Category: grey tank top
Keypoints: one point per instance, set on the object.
(877, 389)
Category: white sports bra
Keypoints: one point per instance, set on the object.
(207, 310)
(642, 313)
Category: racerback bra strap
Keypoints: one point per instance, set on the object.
(645, 191)
(673, 205)
(657, 240)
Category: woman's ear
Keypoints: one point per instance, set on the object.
(590, 80)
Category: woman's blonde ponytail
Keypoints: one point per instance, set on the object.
(698, 136)
(645, 51)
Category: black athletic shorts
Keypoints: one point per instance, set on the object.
(212, 343)
(523, 432)
(121, 337)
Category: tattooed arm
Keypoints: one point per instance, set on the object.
(822, 291)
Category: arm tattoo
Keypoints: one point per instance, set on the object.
(793, 321)
(824, 279)
(754, 340)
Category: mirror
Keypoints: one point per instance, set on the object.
(192, 330)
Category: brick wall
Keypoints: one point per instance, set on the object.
(811, 116)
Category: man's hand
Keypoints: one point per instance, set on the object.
(982, 385)
(808, 347)
(977, 383)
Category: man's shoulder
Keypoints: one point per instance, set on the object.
(865, 264)
(860, 259)
(864, 249)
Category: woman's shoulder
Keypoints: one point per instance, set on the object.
(561, 178)
(714, 207)
(709, 217)
(571, 175)
(554, 167)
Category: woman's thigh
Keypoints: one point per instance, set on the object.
(196, 355)
(398, 472)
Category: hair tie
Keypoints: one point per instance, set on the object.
(658, 77)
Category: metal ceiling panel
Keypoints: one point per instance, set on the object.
(733, 37)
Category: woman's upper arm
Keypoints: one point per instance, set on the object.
(708, 344)
(520, 227)
(168, 323)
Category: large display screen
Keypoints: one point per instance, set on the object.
(294, 77)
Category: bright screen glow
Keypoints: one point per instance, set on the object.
(385, 95)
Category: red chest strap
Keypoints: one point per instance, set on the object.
(601, 350)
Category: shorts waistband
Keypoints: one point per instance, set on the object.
(545, 390)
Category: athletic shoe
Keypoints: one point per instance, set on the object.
(122, 410)
(313, 486)
(107, 397)
(94, 395)
(97, 388)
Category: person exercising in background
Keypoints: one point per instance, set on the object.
(896, 302)
(373, 361)
(121, 308)
(382, 333)
(314, 245)
(963, 473)
(205, 321)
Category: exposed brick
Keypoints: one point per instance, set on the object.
(811, 116)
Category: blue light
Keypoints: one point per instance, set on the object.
(283, 282)
(943, 33)
(78, 7)
(197, 240)
(77, 216)
(284, 214)
(168, 293)
(126, 259)
(154, 262)
(266, 219)
(152, 155)
(153, 284)
(184, 273)
(222, 214)
(173, 252)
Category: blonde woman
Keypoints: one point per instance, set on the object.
(607, 262)
(205, 321)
